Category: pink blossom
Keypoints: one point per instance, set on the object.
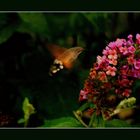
(129, 42)
(113, 62)
(112, 45)
(134, 73)
(124, 70)
(117, 91)
(120, 42)
(130, 60)
(100, 59)
(102, 76)
(101, 62)
(93, 73)
(131, 49)
(127, 92)
(105, 52)
(130, 36)
(112, 54)
(123, 50)
(137, 64)
(114, 72)
(138, 38)
(124, 82)
(111, 71)
(83, 95)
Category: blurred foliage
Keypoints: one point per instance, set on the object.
(25, 60)
(28, 110)
(117, 123)
(64, 122)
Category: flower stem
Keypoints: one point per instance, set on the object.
(91, 120)
(84, 106)
(79, 119)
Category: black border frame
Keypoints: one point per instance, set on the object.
(69, 6)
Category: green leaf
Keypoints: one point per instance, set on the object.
(35, 22)
(62, 122)
(116, 123)
(3, 20)
(129, 102)
(21, 121)
(96, 121)
(97, 20)
(6, 33)
(28, 110)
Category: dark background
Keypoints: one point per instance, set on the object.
(25, 61)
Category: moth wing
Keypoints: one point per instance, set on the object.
(69, 56)
(56, 50)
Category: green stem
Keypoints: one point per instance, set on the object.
(79, 119)
(84, 106)
(92, 119)
(26, 123)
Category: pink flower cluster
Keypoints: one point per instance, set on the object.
(115, 71)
